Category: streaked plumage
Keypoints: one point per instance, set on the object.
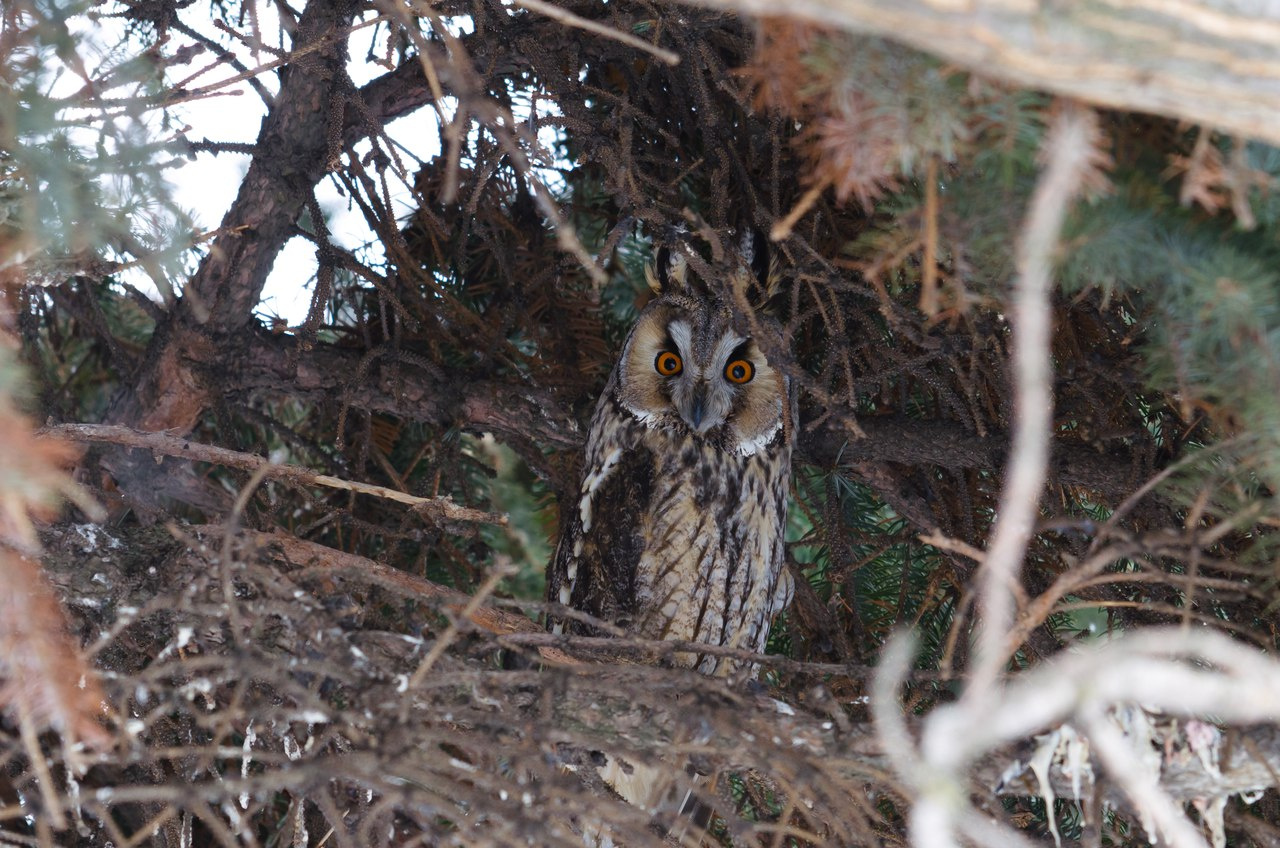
(677, 530)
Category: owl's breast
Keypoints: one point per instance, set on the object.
(710, 570)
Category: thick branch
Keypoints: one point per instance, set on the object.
(1204, 61)
(514, 410)
(390, 96)
(506, 408)
(910, 441)
(292, 152)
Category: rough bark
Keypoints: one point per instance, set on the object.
(296, 145)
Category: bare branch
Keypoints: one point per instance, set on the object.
(569, 19)
(161, 443)
(947, 743)
(1070, 154)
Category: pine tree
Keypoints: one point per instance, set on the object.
(324, 543)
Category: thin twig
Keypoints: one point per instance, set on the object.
(445, 639)
(953, 546)
(929, 269)
(568, 18)
(164, 444)
(782, 229)
(176, 94)
(30, 736)
(323, 560)
(225, 55)
(651, 649)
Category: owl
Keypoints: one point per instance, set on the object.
(677, 530)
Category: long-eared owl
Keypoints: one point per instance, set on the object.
(677, 532)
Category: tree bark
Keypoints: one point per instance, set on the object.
(300, 136)
(1204, 61)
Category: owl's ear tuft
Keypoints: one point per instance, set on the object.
(669, 272)
(762, 280)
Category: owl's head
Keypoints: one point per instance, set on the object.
(685, 367)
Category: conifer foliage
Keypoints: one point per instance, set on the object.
(303, 564)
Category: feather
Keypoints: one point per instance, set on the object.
(678, 529)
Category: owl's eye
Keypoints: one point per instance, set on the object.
(668, 364)
(739, 371)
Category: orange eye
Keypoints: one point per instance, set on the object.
(668, 364)
(739, 371)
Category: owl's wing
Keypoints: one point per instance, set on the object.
(594, 568)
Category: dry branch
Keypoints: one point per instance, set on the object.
(1205, 61)
(517, 630)
(1148, 754)
(569, 19)
(537, 720)
(440, 508)
(293, 152)
(1071, 161)
(279, 364)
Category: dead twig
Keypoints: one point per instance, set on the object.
(1072, 163)
(440, 508)
(314, 558)
(570, 19)
(516, 630)
(954, 546)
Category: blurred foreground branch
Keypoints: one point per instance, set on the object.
(1071, 158)
(1205, 61)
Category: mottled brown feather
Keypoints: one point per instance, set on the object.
(677, 532)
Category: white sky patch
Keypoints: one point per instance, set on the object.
(206, 184)
(215, 178)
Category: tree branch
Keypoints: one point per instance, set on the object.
(1205, 61)
(166, 445)
(813, 750)
(293, 150)
(390, 96)
(323, 372)
(515, 410)
(1070, 158)
(945, 444)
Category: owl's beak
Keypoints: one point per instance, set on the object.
(697, 408)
